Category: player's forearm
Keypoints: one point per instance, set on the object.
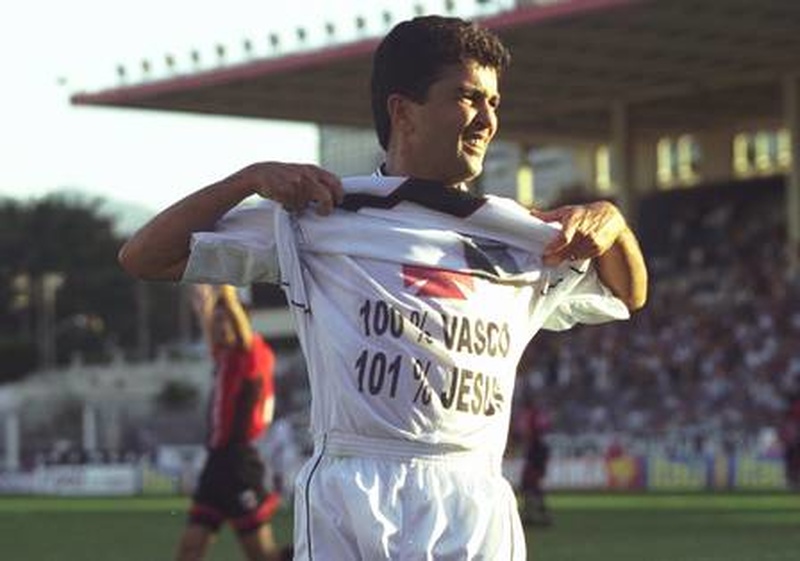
(160, 249)
(622, 269)
(241, 321)
(203, 298)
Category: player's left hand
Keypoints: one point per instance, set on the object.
(587, 231)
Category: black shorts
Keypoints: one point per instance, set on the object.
(231, 487)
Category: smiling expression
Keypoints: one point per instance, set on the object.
(445, 136)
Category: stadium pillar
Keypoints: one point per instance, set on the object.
(620, 158)
(143, 339)
(89, 427)
(11, 462)
(791, 106)
(184, 315)
(10, 402)
(47, 286)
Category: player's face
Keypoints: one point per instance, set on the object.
(449, 132)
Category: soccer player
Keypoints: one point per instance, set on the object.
(413, 300)
(231, 484)
(535, 422)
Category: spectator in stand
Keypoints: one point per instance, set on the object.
(789, 433)
(712, 353)
(231, 486)
(534, 423)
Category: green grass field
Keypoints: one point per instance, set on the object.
(588, 527)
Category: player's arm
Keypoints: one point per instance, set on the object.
(229, 299)
(599, 231)
(203, 297)
(622, 269)
(247, 399)
(160, 249)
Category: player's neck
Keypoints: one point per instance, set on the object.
(394, 168)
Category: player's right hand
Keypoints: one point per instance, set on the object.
(296, 186)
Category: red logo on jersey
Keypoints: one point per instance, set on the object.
(437, 283)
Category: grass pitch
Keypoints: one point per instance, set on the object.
(588, 527)
(658, 527)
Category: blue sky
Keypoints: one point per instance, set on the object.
(51, 49)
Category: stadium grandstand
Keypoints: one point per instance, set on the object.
(687, 114)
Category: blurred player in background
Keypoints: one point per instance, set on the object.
(231, 486)
(789, 433)
(533, 424)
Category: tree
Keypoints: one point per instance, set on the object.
(60, 282)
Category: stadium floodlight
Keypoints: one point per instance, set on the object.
(169, 60)
(221, 51)
(146, 67)
(302, 35)
(247, 47)
(330, 29)
(121, 72)
(361, 23)
(195, 55)
(274, 40)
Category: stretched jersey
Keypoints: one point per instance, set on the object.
(243, 394)
(413, 304)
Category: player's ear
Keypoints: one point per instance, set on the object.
(400, 110)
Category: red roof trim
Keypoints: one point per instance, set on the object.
(223, 75)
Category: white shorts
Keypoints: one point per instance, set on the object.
(373, 501)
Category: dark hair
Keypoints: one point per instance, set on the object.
(414, 54)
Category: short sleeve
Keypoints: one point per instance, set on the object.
(583, 299)
(240, 250)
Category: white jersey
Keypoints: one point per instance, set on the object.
(413, 304)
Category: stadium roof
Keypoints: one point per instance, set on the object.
(675, 64)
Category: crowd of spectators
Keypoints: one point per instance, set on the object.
(69, 454)
(715, 353)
